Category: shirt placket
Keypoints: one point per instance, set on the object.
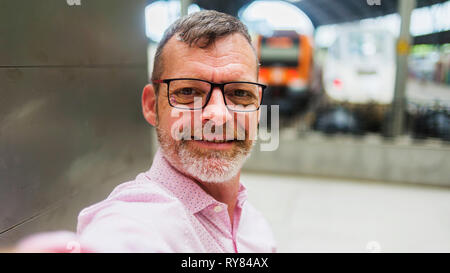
(217, 213)
(235, 227)
(222, 215)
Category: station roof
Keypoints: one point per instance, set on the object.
(324, 12)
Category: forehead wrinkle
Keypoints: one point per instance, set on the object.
(212, 68)
(227, 61)
(234, 55)
(220, 73)
(222, 51)
(215, 59)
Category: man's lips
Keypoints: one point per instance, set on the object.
(215, 139)
(214, 144)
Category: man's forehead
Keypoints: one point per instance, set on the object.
(220, 47)
(232, 48)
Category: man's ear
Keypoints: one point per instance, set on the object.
(149, 104)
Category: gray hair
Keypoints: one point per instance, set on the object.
(199, 29)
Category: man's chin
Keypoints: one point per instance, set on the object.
(206, 162)
(211, 165)
(193, 152)
(205, 148)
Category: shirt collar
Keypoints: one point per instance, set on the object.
(183, 187)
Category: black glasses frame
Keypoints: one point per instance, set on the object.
(213, 85)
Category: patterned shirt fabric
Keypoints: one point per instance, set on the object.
(163, 210)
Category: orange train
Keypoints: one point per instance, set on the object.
(286, 67)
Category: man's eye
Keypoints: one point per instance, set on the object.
(240, 93)
(187, 91)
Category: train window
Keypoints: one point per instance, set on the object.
(334, 49)
(280, 51)
(365, 45)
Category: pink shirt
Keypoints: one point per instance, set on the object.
(165, 211)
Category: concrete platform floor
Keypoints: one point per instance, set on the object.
(310, 214)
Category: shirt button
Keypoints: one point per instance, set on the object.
(217, 208)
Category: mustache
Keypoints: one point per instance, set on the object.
(210, 132)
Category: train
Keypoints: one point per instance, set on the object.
(286, 60)
(358, 77)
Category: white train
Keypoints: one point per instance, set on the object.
(360, 66)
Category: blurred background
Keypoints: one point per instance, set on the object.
(361, 161)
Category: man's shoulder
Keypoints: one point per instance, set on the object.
(141, 190)
(132, 200)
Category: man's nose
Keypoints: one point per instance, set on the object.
(216, 109)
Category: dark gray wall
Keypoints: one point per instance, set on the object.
(71, 127)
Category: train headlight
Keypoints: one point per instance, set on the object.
(297, 85)
(337, 83)
(277, 75)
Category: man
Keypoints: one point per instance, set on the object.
(204, 100)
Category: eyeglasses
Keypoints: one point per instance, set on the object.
(194, 94)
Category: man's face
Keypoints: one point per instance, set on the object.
(230, 58)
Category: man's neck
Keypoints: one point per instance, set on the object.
(224, 192)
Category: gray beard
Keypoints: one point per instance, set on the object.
(215, 167)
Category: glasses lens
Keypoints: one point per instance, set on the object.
(242, 96)
(188, 94)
